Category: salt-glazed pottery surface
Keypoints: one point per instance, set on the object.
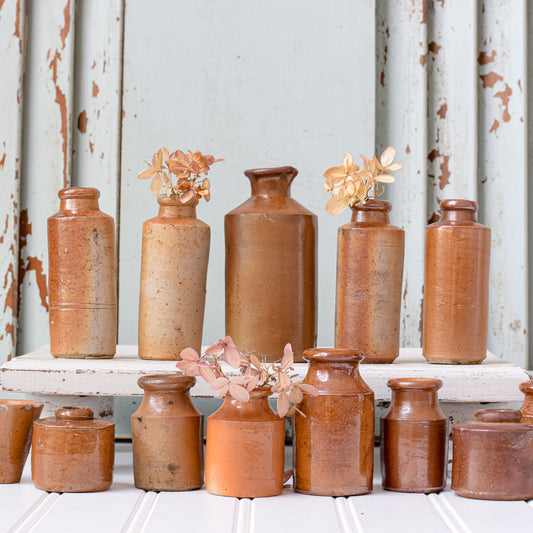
(493, 456)
(167, 435)
(271, 273)
(175, 253)
(527, 406)
(244, 454)
(414, 437)
(334, 443)
(82, 277)
(370, 255)
(456, 289)
(73, 452)
(16, 423)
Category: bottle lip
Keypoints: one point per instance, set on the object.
(459, 204)
(333, 355)
(271, 172)
(174, 200)
(498, 416)
(374, 205)
(79, 193)
(428, 384)
(74, 413)
(166, 382)
(526, 387)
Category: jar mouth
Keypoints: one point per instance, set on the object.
(333, 355)
(374, 205)
(270, 172)
(7, 403)
(261, 392)
(458, 204)
(166, 382)
(498, 416)
(174, 200)
(79, 193)
(429, 384)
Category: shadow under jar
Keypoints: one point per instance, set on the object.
(414, 437)
(333, 443)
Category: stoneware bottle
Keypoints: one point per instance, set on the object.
(493, 456)
(245, 445)
(167, 435)
(175, 253)
(271, 273)
(16, 423)
(527, 406)
(369, 283)
(82, 277)
(334, 443)
(414, 437)
(73, 452)
(456, 290)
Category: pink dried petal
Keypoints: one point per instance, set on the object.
(284, 381)
(189, 354)
(219, 383)
(296, 395)
(239, 393)
(255, 361)
(288, 357)
(252, 384)
(283, 404)
(189, 367)
(207, 373)
(308, 389)
(215, 348)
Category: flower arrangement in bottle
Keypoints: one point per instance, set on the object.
(350, 185)
(182, 174)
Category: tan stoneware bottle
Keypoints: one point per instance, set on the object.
(82, 277)
(493, 456)
(334, 442)
(167, 435)
(245, 445)
(175, 253)
(73, 452)
(414, 437)
(16, 424)
(456, 290)
(370, 253)
(271, 272)
(527, 406)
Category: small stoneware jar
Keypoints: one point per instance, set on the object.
(334, 442)
(16, 423)
(493, 456)
(245, 448)
(414, 437)
(527, 406)
(167, 435)
(73, 452)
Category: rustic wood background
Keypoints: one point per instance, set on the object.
(90, 88)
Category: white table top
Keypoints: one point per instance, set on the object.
(123, 508)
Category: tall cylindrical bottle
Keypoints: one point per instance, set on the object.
(271, 274)
(175, 253)
(82, 277)
(456, 289)
(370, 255)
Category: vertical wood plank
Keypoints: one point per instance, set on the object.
(452, 102)
(47, 150)
(503, 170)
(401, 121)
(97, 99)
(530, 170)
(12, 16)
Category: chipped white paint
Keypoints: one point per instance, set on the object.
(12, 14)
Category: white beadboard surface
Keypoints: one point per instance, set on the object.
(125, 509)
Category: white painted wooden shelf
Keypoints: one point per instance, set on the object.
(123, 508)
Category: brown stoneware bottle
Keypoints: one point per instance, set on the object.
(369, 283)
(82, 277)
(175, 253)
(527, 406)
(167, 435)
(334, 442)
(245, 445)
(456, 290)
(16, 424)
(73, 452)
(414, 437)
(271, 273)
(493, 456)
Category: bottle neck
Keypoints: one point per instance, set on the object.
(271, 181)
(373, 212)
(79, 204)
(172, 207)
(458, 215)
(165, 399)
(412, 397)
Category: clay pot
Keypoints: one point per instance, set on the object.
(414, 437)
(493, 456)
(73, 452)
(456, 290)
(369, 283)
(271, 273)
(334, 443)
(175, 253)
(16, 424)
(167, 435)
(82, 277)
(245, 445)
(527, 406)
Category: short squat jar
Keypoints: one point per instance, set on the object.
(493, 456)
(414, 437)
(167, 435)
(334, 442)
(527, 406)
